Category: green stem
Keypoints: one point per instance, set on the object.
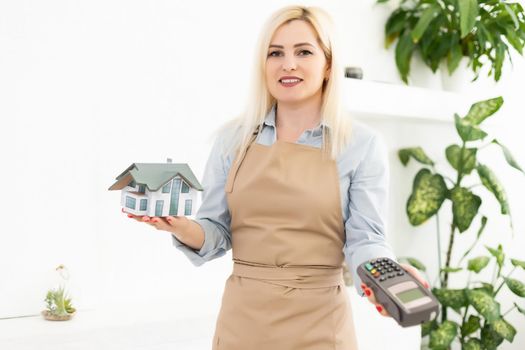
(476, 185)
(494, 273)
(452, 230)
(509, 310)
(439, 249)
(468, 251)
(502, 283)
(466, 309)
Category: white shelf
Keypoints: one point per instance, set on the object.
(378, 99)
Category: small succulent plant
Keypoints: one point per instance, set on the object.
(57, 302)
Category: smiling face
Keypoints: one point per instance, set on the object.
(295, 52)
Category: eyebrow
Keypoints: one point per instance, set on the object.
(296, 45)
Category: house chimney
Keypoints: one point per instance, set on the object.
(168, 160)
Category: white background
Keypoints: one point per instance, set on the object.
(89, 87)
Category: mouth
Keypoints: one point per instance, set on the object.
(289, 82)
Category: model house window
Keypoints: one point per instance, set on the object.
(187, 207)
(132, 184)
(142, 188)
(158, 208)
(143, 204)
(185, 188)
(166, 188)
(130, 202)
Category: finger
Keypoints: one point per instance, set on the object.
(371, 297)
(382, 310)
(415, 273)
(172, 220)
(160, 223)
(131, 216)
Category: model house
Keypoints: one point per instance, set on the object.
(158, 189)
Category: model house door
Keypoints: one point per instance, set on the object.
(158, 208)
(174, 197)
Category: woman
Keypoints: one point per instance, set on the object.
(294, 188)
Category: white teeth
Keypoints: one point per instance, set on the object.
(288, 81)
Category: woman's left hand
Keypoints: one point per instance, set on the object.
(370, 294)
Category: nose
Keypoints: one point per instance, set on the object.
(289, 64)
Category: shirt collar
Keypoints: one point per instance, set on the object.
(270, 120)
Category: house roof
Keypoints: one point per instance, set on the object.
(155, 175)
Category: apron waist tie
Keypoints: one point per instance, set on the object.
(292, 276)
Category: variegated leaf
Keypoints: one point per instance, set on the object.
(454, 298)
(470, 326)
(442, 337)
(465, 163)
(504, 329)
(478, 264)
(428, 193)
(515, 286)
(491, 182)
(467, 131)
(508, 156)
(517, 262)
(415, 152)
(484, 304)
(465, 205)
(479, 111)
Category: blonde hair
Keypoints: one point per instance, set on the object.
(260, 101)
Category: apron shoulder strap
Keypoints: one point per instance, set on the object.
(238, 160)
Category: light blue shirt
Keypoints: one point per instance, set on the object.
(363, 178)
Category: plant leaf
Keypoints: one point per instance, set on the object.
(482, 227)
(479, 111)
(490, 339)
(498, 254)
(504, 329)
(478, 264)
(515, 286)
(465, 207)
(498, 62)
(394, 25)
(517, 262)
(486, 288)
(424, 20)
(484, 304)
(491, 182)
(404, 49)
(472, 344)
(508, 156)
(470, 326)
(467, 131)
(454, 298)
(442, 337)
(428, 193)
(468, 11)
(415, 152)
(416, 263)
(427, 327)
(465, 164)
(512, 15)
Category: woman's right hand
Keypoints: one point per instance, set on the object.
(170, 224)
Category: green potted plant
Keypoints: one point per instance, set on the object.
(58, 304)
(480, 323)
(480, 31)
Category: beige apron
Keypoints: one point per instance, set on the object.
(286, 291)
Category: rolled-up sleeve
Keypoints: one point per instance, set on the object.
(368, 209)
(213, 214)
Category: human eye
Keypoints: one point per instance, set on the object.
(306, 51)
(272, 53)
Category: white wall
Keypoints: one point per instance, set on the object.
(89, 87)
